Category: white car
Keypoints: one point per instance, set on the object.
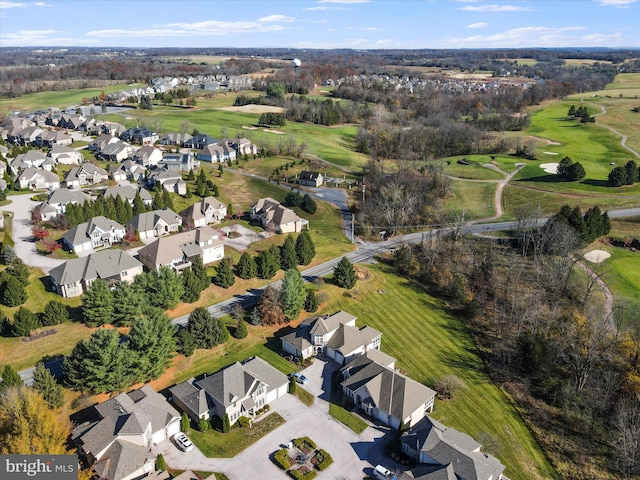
(383, 473)
(182, 442)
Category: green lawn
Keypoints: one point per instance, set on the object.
(214, 444)
(622, 273)
(304, 396)
(476, 198)
(351, 420)
(429, 343)
(475, 171)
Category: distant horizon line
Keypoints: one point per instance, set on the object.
(53, 47)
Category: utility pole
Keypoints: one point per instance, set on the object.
(353, 236)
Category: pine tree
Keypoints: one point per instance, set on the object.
(127, 304)
(200, 272)
(241, 330)
(164, 288)
(344, 274)
(138, 205)
(563, 167)
(99, 364)
(19, 271)
(576, 172)
(200, 326)
(246, 267)
(166, 198)
(288, 256)
(632, 173)
(97, 304)
(292, 294)
(10, 378)
(618, 176)
(226, 424)
(14, 293)
(292, 385)
(185, 342)
(267, 263)
(184, 422)
(309, 205)
(46, 384)
(152, 341)
(191, 286)
(24, 322)
(305, 249)
(224, 275)
(161, 464)
(158, 201)
(311, 302)
(54, 313)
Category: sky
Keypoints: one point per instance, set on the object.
(357, 24)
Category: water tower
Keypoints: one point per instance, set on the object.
(296, 64)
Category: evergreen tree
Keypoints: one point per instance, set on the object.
(293, 199)
(200, 273)
(305, 249)
(127, 304)
(158, 201)
(241, 330)
(288, 256)
(8, 253)
(10, 378)
(292, 294)
(97, 304)
(186, 344)
(572, 111)
(54, 313)
(161, 464)
(138, 205)
(164, 288)
(152, 342)
(267, 263)
(167, 200)
(576, 172)
(309, 205)
(563, 167)
(188, 193)
(246, 267)
(220, 169)
(292, 385)
(99, 364)
(311, 302)
(24, 322)
(618, 176)
(224, 275)
(226, 424)
(45, 383)
(14, 293)
(255, 318)
(19, 271)
(344, 274)
(200, 326)
(185, 424)
(121, 210)
(191, 286)
(631, 169)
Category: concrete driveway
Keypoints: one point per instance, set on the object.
(21, 206)
(353, 454)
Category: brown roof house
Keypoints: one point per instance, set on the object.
(373, 384)
(438, 449)
(117, 443)
(335, 335)
(272, 215)
(177, 251)
(206, 211)
(73, 277)
(238, 390)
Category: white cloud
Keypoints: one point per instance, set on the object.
(4, 4)
(543, 37)
(478, 25)
(616, 3)
(270, 23)
(42, 38)
(497, 8)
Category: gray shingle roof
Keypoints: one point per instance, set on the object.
(102, 264)
(148, 220)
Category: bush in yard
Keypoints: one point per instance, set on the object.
(292, 385)
(184, 423)
(244, 421)
(226, 424)
(204, 425)
(297, 474)
(241, 330)
(447, 386)
(304, 443)
(324, 459)
(281, 457)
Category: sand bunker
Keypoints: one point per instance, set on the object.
(254, 109)
(597, 256)
(550, 167)
(550, 153)
(249, 128)
(277, 132)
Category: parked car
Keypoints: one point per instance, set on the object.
(300, 378)
(182, 442)
(383, 473)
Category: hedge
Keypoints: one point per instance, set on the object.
(281, 457)
(300, 442)
(325, 461)
(303, 476)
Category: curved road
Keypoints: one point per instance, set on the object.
(623, 141)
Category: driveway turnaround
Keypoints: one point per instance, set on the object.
(353, 454)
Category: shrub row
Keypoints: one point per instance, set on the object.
(281, 457)
(300, 443)
(297, 474)
(324, 459)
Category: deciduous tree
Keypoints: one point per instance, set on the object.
(269, 307)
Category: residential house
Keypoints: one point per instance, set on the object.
(37, 179)
(85, 174)
(311, 179)
(49, 138)
(170, 180)
(117, 441)
(147, 156)
(155, 223)
(100, 127)
(101, 142)
(74, 277)
(238, 390)
(177, 251)
(71, 121)
(139, 136)
(57, 202)
(98, 232)
(380, 391)
(129, 192)
(206, 211)
(128, 170)
(198, 141)
(174, 138)
(216, 153)
(243, 146)
(184, 161)
(30, 159)
(25, 136)
(11, 125)
(437, 448)
(116, 151)
(272, 215)
(335, 336)
(63, 155)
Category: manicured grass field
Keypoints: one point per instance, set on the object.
(475, 171)
(623, 276)
(429, 343)
(476, 198)
(351, 420)
(214, 444)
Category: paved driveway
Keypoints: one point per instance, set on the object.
(353, 454)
